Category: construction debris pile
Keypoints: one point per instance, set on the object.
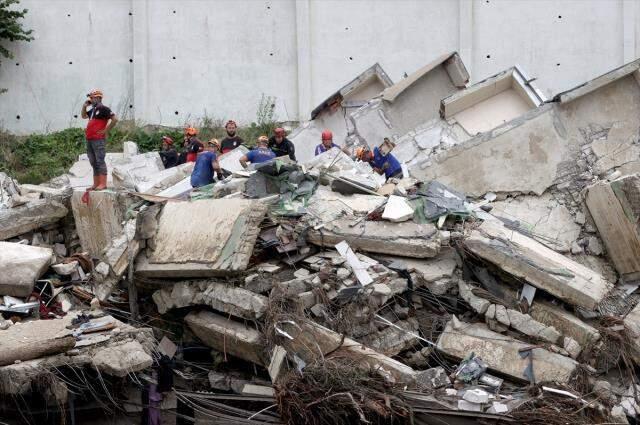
(496, 281)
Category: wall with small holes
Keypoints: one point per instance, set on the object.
(171, 62)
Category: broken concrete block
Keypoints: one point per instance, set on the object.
(524, 323)
(238, 302)
(20, 267)
(615, 212)
(138, 172)
(576, 248)
(158, 181)
(501, 354)
(537, 265)
(490, 314)
(565, 322)
(34, 339)
(98, 222)
(479, 305)
(397, 209)
(391, 340)
(502, 316)
(65, 269)
(227, 336)
(593, 246)
(432, 379)
(33, 215)
(467, 405)
(476, 396)
(547, 221)
(632, 323)
(549, 334)
(278, 358)
(311, 341)
(202, 238)
(409, 239)
(572, 347)
(121, 360)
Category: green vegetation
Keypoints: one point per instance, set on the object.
(39, 157)
(11, 28)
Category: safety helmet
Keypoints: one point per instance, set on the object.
(168, 140)
(190, 131)
(95, 93)
(327, 135)
(279, 131)
(214, 142)
(360, 153)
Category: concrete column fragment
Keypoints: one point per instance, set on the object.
(227, 336)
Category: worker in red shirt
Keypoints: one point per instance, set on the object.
(191, 144)
(101, 121)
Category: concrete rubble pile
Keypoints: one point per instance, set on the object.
(496, 281)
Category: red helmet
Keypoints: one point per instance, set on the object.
(327, 135)
(279, 131)
(168, 140)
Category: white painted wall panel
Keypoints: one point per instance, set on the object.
(229, 52)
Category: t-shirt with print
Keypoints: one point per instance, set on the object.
(258, 155)
(230, 143)
(99, 116)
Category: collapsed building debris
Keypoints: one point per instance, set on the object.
(471, 287)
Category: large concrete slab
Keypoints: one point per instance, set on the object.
(312, 342)
(407, 239)
(549, 222)
(521, 156)
(99, 221)
(565, 322)
(81, 173)
(223, 297)
(159, 181)
(139, 172)
(25, 218)
(501, 352)
(632, 323)
(616, 210)
(202, 238)
(20, 267)
(534, 263)
(228, 336)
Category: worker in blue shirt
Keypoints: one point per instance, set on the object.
(381, 159)
(206, 164)
(260, 154)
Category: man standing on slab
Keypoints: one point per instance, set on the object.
(101, 120)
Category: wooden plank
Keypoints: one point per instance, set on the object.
(617, 232)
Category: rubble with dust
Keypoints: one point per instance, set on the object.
(496, 281)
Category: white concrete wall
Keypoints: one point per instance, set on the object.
(229, 52)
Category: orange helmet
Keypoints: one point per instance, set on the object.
(362, 152)
(95, 93)
(190, 131)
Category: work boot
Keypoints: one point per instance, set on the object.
(102, 182)
(95, 183)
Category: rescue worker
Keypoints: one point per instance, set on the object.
(327, 143)
(101, 121)
(260, 154)
(206, 164)
(381, 159)
(191, 144)
(168, 154)
(232, 140)
(280, 145)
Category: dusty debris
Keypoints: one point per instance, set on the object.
(20, 267)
